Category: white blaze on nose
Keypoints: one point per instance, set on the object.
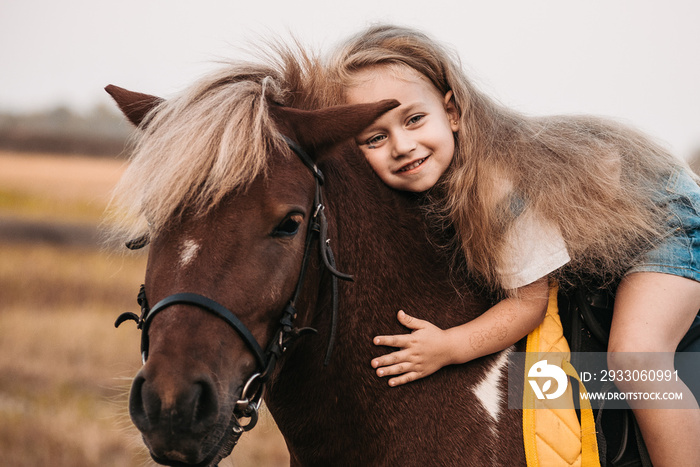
(188, 251)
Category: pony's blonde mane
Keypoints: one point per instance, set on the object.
(593, 177)
(213, 138)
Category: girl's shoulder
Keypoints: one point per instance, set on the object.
(497, 188)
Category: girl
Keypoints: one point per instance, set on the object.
(532, 198)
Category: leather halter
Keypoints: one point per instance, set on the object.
(248, 404)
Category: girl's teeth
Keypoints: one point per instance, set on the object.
(412, 166)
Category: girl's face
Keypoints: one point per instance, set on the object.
(412, 145)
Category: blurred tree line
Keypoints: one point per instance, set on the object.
(61, 130)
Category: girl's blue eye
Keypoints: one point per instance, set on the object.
(374, 140)
(415, 119)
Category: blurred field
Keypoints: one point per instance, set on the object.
(69, 188)
(65, 370)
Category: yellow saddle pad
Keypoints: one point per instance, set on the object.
(553, 436)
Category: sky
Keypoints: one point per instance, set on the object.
(634, 60)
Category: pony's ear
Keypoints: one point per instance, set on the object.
(315, 129)
(134, 105)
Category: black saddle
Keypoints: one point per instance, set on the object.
(586, 315)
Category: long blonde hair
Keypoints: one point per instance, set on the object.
(593, 178)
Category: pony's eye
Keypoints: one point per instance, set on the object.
(139, 242)
(289, 226)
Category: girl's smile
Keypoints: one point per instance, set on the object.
(409, 168)
(411, 146)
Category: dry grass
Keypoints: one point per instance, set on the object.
(64, 370)
(65, 178)
(56, 187)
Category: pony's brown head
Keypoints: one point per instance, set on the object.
(227, 206)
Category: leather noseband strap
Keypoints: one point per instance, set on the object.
(200, 301)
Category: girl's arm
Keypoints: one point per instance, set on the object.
(428, 348)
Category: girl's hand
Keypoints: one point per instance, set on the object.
(422, 352)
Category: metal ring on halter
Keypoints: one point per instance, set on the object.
(246, 388)
(248, 407)
(253, 420)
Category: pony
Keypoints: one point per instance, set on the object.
(254, 199)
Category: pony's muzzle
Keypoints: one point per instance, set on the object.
(174, 415)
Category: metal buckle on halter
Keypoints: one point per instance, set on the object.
(248, 407)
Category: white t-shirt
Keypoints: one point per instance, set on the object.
(533, 248)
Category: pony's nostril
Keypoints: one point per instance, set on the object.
(137, 408)
(205, 405)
